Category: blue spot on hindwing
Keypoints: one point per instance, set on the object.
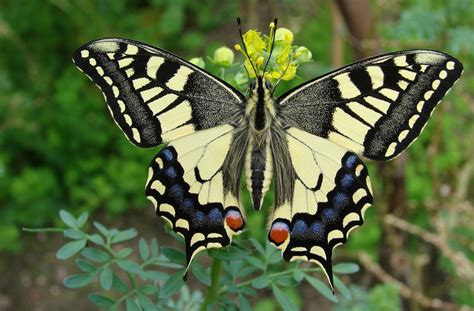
(215, 216)
(347, 181)
(317, 228)
(350, 161)
(300, 227)
(329, 214)
(167, 155)
(187, 204)
(199, 217)
(340, 200)
(170, 172)
(176, 192)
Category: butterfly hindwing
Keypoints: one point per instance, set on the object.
(188, 187)
(376, 107)
(153, 95)
(331, 191)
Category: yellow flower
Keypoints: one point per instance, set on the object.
(284, 35)
(254, 44)
(302, 55)
(223, 56)
(290, 72)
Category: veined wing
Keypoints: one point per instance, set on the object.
(376, 107)
(329, 194)
(153, 95)
(190, 184)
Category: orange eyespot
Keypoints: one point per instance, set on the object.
(234, 220)
(279, 232)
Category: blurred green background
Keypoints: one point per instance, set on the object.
(59, 148)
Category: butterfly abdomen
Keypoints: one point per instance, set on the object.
(258, 170)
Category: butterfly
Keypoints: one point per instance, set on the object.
(309, 141)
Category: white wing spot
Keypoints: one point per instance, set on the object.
(158, 186)
(450, 65)
(108, 80)
(390, 150)
(127, 118)
(402, 135)
(84, 53)
(129, 72)
(402, 84)
(428, 95)
(376, 76)
(131, 50)
(443, 74)
(435, 84)
(124, 62)
(419, 106)
(136, 135)
(407, 74)
(92, 61)
(99, 70)
(412, 120)
(153, 65)
(359, 169)
(121, 105)
(400, 61)
(115, 90)
(165, 207)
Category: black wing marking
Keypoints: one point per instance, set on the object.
(376, 107)
(189, 190)
(331, 191)
(153, 95)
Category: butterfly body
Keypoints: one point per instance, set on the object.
(308, 141)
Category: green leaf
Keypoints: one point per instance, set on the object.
(105, 232)
(78, 280)
(95, 254)
(346, 293)
(345, 268)
(298, 275)
(154, 247)
(244, 304)
(85, 266)
(274, 258)
(118, 284)
(129, 266)
(101, 300)
(124, 252)
(248, 291)
(201, 274)
(260, 282)
(285, 301)
(74, 234)
(258, 246)
(81, 221)
(256, 262)
(106, 278)
(156, 275)
(230, 253)
(321, 287)
(173, 255)
(68, 219)
(131, 305)
(125, 235)
(96, 239)
(172, 285)
(285, 281)
(146, 303)
(143, 249)
(70, 249)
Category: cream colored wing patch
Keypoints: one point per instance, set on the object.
(330, 195)
(187, 188)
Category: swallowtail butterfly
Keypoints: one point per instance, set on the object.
(309, 140)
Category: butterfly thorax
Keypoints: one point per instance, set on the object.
(260, 115)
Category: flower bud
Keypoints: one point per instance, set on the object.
(289, 73)
(284, 35)
(223, 56)
(302, 55)
(198, 61)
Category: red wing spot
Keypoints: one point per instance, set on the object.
(279, 232)
(234, 220)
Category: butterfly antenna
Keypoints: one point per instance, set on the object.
(281, 77)
(272, 35)
(245, 48)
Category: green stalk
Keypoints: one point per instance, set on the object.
(213, 290)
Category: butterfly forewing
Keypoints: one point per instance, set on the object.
(153, 95)
(376, 107)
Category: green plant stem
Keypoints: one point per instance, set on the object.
(213, 290)
(43, 230)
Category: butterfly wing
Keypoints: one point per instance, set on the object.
(376, 107)
(329, 191)
(191, 185)
(153, 95)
